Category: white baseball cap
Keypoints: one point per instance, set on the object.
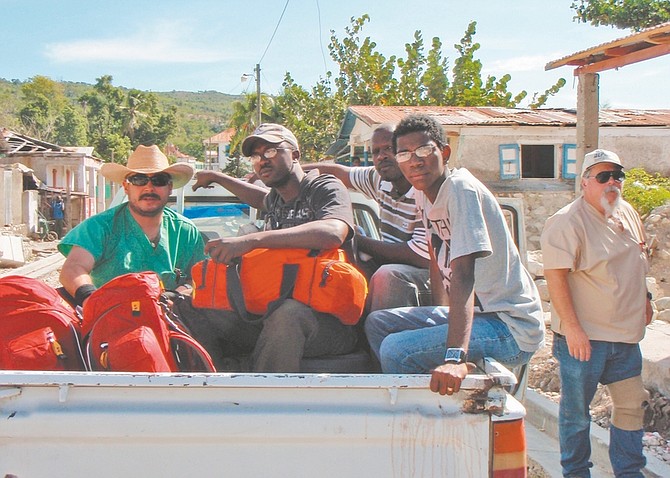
(600, 156)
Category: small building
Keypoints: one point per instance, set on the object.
(72, 172)
(217, 150)
(524, 153)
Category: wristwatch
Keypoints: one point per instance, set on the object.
(455, 355)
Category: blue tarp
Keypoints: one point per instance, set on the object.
(216, 210)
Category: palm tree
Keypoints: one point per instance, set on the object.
(244, 118)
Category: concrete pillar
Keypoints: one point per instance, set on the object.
(90, 182)
(31, 201)
(11, 190)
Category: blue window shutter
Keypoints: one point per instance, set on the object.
(569, 161)
(510, 161)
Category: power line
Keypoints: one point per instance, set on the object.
(325, 66)
(274, 32)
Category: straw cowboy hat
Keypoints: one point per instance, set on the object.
(148, 160)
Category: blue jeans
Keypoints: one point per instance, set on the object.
(610, 362)
(413, 339)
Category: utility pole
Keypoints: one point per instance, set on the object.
(258, 93)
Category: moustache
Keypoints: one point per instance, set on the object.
(150, 196)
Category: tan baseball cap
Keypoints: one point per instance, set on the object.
(272, 133)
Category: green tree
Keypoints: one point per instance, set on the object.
(114, 114)
(244, 118)
(411, 90)
(237, 167)
(115, 147)
(540, 99)
(43, 103)
(468, 88)
(71, 128)
(365, 76)
(10, 101)
(633, 14)
(313, 116)
(435, 76)
(102, 107)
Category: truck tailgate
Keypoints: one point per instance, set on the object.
(239, 425)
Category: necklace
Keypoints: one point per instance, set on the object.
(154, 242)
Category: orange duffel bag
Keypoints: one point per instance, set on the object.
(321, 279)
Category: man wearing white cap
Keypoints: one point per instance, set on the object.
(139, 235)
(595, 263)
(302, 210)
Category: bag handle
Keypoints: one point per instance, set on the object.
(183, 358)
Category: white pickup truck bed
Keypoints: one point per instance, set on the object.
(246, 425)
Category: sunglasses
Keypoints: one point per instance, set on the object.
(420, 152)
(158, 180)
(604, 176)
(267, 154)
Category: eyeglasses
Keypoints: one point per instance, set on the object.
(267, 154)
(420, 152)
(158, 180)
(604, 176)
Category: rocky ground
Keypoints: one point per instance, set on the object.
(543, 378)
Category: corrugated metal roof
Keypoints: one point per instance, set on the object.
(13, 142)
(495, 116)
(648, 43)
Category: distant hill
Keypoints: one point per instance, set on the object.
(200, 114)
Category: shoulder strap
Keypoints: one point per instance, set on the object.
(234, 290)
(289, 277)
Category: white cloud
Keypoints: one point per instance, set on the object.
(165, 42)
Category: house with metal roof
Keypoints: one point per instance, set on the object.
(48, 169)
(530, 154)
(502, 145)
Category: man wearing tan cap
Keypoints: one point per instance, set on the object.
(595, 263)
(302, 210)
(139, 235)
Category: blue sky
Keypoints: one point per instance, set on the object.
(200, 45)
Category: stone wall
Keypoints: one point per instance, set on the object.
(538, 206)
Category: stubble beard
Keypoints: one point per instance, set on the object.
(147, 212)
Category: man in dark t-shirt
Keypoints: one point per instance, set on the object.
(303, 210)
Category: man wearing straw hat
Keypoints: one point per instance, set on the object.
(139, 235)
